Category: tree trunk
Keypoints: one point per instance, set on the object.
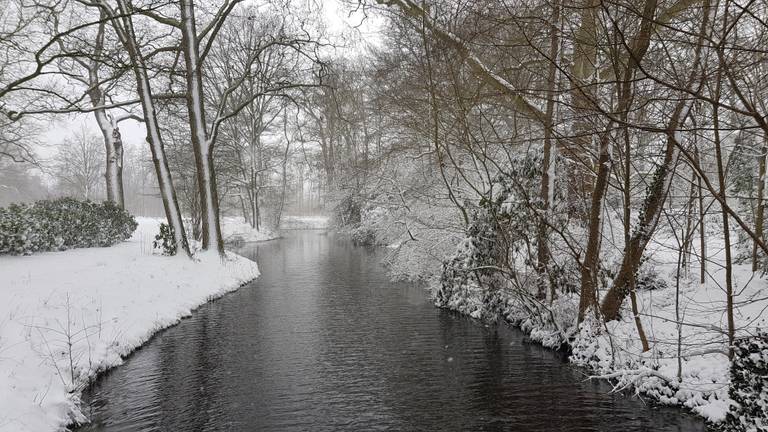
(702, 224)
(285, 172)
(637, 50)
(689, 227)
(591, 263)
(654, 204)
(113, 171)
(256, 211)
(659, 188)
(628, 239)
(726, 235)
(117, 142)
(201, 144)
(113, 146)
(549, 163)
(154, 138)
(583, 96)
(723, 194)
(759, 209)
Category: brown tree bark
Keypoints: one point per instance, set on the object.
(759, 206)
(638, 48)
(591, 264)
(702, 223)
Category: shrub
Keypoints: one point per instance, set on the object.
(164, 240)
(60, 224)
(468, 282)
(749, 385)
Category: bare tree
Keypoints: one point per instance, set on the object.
(78, 166)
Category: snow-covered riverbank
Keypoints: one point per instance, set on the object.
(685, 322)
(66, 316)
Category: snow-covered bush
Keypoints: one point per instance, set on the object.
(586, 349)
(749, 385)
(493, 268)
(469, 282)
(363, 235)
(164, 242)
(64, 223)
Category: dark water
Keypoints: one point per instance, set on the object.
(322, 341)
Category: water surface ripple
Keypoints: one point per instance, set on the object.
(323, 341)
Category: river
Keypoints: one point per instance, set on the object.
(323, 341)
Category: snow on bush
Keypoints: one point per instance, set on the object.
(64, 223)
(305, 222)
(749, 385)
(164, 242)
(469, 282)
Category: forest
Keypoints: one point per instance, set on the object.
(591, 171)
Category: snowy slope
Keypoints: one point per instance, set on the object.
(67, 315)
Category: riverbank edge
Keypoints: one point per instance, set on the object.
(474, 303)
(155, 332)
(555, 341)
(68, 317)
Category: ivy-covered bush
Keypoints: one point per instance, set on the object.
(164, 240)
(749, 385)
(468, 281)
(502, 225)
(60, 224)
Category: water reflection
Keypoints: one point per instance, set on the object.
(323, 341)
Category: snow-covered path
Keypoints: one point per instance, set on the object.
(65, 316)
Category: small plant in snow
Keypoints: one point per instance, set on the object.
(164, 240)
(648, 278)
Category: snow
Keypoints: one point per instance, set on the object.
(305, 222)
(236, 229)
(105, 302)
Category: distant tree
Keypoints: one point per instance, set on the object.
(18, 183)
(78, 166)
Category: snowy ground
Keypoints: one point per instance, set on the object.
(305, 222)
(236, 230)
(65, 316)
